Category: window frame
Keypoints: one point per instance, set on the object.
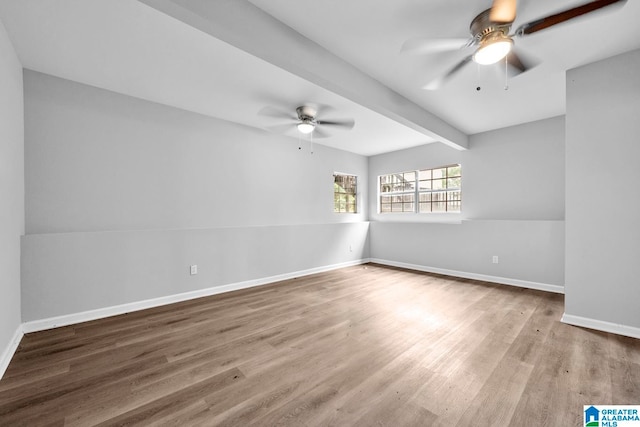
(418, 189)
(353, 194)
(401, 195)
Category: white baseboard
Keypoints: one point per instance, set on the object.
(8, 352)
(601, 325)
(466, 275)
(53, 322)
(70, 319)
(100, 313)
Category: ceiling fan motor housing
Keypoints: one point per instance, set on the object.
(482, 28)
(306, 113)
(493, 40)
(307, 117)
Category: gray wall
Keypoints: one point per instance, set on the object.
(122, 195)
(603, 207)
(11, 189)
(513, 206)
(68, 273)
(510, 173)
(529, 252)
(98, 161)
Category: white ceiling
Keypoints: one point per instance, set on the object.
(370, 34)
(129, 47)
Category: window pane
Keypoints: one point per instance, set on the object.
(437, 190)
(388, 183)
(409, 179)
(425, 197)
(439, 173)
(453, 206)
(439, 184)
(425, 207)
(454, 195)
(453, 183)
(438, 197)
(395, 183)
(439, 206)
(385, 183)
(425, 185)
(425, 174)
(344, 192)
(453, 171)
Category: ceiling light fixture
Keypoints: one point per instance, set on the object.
(493, 50)
(306, 126)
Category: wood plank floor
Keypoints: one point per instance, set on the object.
(364, 346)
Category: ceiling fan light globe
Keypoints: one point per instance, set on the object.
(306, 127)
(493, 51)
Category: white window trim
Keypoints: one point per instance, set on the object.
(357, 195)
(452, 217)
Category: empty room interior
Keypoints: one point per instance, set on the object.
(258, 212)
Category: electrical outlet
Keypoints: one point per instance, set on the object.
(350, 248)
(194, 269)
(495, 259)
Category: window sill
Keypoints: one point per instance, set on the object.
(432, 218)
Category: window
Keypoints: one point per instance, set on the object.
(344, 193)
(398, 192)
(423, 191)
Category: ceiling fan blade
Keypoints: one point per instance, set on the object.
(320, 133)
(503, 11)
(276, 113)
(345, 124)
(519, 63)
(419, 46)
(560, 17)
(323, 110)
(437, 83)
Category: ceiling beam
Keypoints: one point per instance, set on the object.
(247, 27)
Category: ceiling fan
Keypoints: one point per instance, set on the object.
(308, 119)
(491, 37)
